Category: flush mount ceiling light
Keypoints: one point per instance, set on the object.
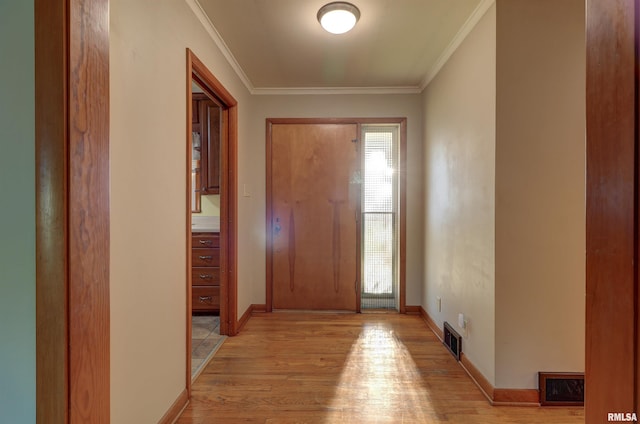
(338, 17)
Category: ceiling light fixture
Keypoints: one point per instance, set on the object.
(338, 17)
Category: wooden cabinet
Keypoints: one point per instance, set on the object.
(206, 121)
(205, 272)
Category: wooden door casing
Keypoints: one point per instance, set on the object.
(228, 292)
(612, 371)
(72, 211)
(314, 210)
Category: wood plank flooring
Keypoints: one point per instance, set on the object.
(345, 368)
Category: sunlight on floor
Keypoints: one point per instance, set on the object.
(374, 382)
(346, 369)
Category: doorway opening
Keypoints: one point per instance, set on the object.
(211, 158)
(380, 224)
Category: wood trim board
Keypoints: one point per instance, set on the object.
(431, 323)
(358, 287)
(230, 181)
(189, 243)
(268, 216)
(175, 409)
(612, 210)
(481, 381)
(258, 308)
(251, 310)
(515, 397)
(72, 211)
(244, 318)
(412, 309)
(402, 165)
(52, 338)
(89, 184)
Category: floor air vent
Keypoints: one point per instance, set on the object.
(562, 389)
(452, 340)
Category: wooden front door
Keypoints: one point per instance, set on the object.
(313, 212)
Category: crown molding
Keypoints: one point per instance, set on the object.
(215, 35)
(466, 28)
(335, 90)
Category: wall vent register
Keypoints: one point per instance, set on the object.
(561, 389)
(452, 340)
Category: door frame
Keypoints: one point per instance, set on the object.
(402, 122)
(72, 211)
(228, 202)
(612, 342)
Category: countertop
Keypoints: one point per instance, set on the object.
(205, 224)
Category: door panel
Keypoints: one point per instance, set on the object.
(314, 216)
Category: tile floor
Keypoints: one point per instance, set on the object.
(205, 341)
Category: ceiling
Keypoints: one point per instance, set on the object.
(396, 46)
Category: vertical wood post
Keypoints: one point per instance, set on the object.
(72, 211)
(612, 210)
(51, 82)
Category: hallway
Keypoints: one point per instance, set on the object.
(345, 368)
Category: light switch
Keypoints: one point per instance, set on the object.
(462, 322)
(245, 190)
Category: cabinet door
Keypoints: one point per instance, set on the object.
(196, 150)
(212, 129)
(195, 110)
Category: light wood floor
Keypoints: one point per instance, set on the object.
(345, 368)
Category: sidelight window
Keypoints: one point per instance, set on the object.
(380, 204)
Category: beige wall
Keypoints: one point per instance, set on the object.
(357, 106)
(209, 205)
(540, 185)
(504, 182)
(459, 180)
(148, 199)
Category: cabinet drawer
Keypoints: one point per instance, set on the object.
(205, 257)
(205, 240)
(204, 298)
(205, 276)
